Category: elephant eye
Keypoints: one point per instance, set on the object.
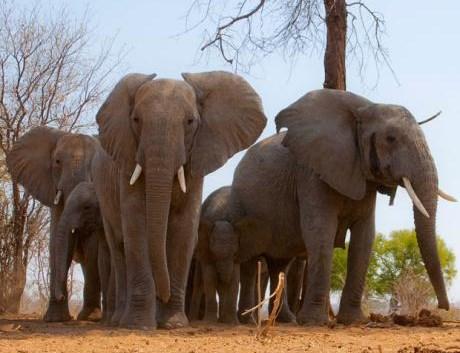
(58, 161)
(136, 119)
(391, 139)
(190, 121)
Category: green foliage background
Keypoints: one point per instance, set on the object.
(390, 258)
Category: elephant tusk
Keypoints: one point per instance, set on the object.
(181, 178)
(73, 230)
(414, 197)
(58, 197)
(137, 172)
(430, 118)
(446, 196)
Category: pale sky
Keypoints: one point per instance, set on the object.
(422, 38)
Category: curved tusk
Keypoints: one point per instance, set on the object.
(446, 196)
(57, 198)
(73, 230)
(181, 178)
(414, 197)
(137, 172)
(430, 118)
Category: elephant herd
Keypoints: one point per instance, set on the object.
(126, 203)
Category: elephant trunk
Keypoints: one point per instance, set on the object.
(425, 184)
(62, 246)
(159, 176)
(224, 270)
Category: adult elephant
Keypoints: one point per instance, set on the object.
(80, 236)
(49, 163)
(156, 130)
(311, 184)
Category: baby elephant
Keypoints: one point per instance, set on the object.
(80, 236)
(218, 256)
(216, 268)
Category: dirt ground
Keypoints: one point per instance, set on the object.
(29, 335)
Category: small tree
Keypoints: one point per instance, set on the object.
(48, 76)
(394, 261)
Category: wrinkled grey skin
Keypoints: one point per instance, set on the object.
(162, 125)
(45, 161)
(320, 178)
(80, 236)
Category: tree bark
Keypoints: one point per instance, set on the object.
(334, 56)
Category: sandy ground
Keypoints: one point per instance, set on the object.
(29, 335)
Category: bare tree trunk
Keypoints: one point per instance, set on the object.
(334, 56)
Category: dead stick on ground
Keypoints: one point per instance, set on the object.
(276, 306)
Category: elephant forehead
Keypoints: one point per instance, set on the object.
(166, 89)
(73, 144)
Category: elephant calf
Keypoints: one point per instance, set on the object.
(219, 256)
(80, 236)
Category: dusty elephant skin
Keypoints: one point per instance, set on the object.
(165, 136)
(80, 236)
(49, 163)
(311, 184)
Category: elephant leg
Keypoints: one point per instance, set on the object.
(92, 288)
(140, 308)
(108, 292)
(248, 279)
(228, 298)
(359, 253)
(210, 291)
(197, 292)
(117, 282)
(294, 283)
(58, 310)
(319, 234)
(275, 266)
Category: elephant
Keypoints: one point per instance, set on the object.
(49, 163)
(80, 236)
(310, 184)
(164, 136)
(218, 259)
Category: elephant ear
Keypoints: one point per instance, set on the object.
(202, 247)
(115, 132)
(322, 135)
(232, 118)
(30, 162)
(254, 237)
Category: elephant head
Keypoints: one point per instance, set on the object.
(352, 143)
(163, 128)
(223, 247)
(80, 218)
(49, 163)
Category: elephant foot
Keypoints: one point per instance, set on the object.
(286, 316)
(313, 316)
(115, 318)
(57, 312)
(349, 316)
(137, 322)
(90, 314)
(229, 320)
(172, 319)
(247, 319)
